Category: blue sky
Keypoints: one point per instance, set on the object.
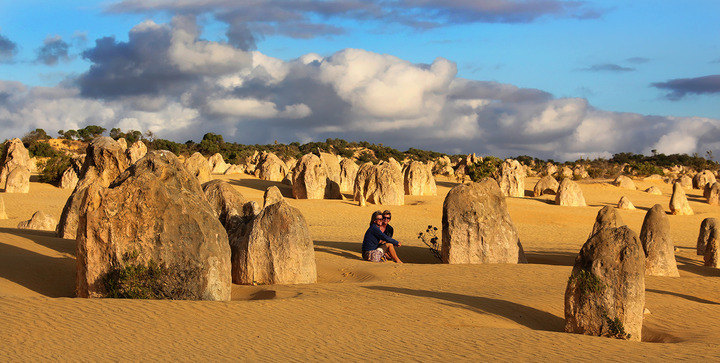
(610, 54)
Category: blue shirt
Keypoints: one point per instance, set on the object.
(373, 236)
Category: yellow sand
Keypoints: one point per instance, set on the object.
(358, 310)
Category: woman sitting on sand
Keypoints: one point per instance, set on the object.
(376, 243)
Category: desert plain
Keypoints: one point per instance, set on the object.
(419, 310)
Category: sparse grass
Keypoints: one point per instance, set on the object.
(615, 328)
(587, 282)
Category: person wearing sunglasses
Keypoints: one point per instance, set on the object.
(376, 244)
(386, 227)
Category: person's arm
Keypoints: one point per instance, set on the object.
(383, 237)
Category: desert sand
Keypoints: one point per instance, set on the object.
(421, 310)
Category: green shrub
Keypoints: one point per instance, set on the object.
(487, 168)
(41, 149)
(132, 280)
(587, 282)
(615, 328)
(52, 169)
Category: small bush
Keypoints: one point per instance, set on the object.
(52, 169)
(587, 282)
(41, 149)
(487, 168)
(615, 328)
(134, 280)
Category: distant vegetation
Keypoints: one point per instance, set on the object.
(37, 144)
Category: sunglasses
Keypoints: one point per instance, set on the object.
(388, 218)
(379, 219)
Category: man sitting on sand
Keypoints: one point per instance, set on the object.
(376, 243)
(386, 227)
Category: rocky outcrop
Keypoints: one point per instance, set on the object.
(607, 217)
(476, 226)
(309, 178)
(15, 167)
(678, 202)
(565, 172)
(712, 193)
(512, 179)
(271, 168)
(199, 167)
(658, 246)
(234, 169)
(104, 161)
(625, 203)
(419, 179)
(443, 166)
(123, 143)
(708, 234)
(549, 169)
(685, 181)
(348, 172)
(569, 194)
(624, 182)
(218, 164)
(332, 170)
(272, 195)
(579, 172)
(136, 151)
(605, 295)
(226, 201)
(379, 184)
(39, 221)
(276, 249)
(653, 190)
(171, 228)
(703, 178)
(546, 185)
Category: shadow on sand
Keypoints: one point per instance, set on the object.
(684, 296)
(352, 250)
(46, 275)
(696, 267)
(551, 258)
(521, 314)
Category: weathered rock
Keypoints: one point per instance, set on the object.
(332, 167)
(379, 184)
(69, 179)
(290, 163)
(18, 180)
(546, 185)
(397, 167)
(271, 168)
(654, 177)
(348, 172)
(713, 193)
(549, 169)
(566, 172)
(136, 151)
(272, 195)
(104, 161)
(15, 157)
(309, 178)
(123, 143)
(199, 167)
(276, 249)
(476, 226)
(709, 236)
(171, 226)
(580, 172)
(624, 182)
(569, 194)
(234, 169)
(225, 201)
(3, 215)
(443, 166)
(685, 181)
(419, 180)
(703, 178)
(607, 217)
(653, 190)
(250, 169)
(605, 295)
(218, 164)
(625, 203)
(512, 179)
(39, 221)
(658, 246)
(33, 165)
(678, 202)
(708, 233)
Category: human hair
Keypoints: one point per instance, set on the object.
(387, 212)
(374, 215)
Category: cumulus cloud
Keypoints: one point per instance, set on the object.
(607, 67)
(54, 49)
(303, 19)
(8, 49)
(681, 87)
(166, 79)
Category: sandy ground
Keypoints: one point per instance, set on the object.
(421, 310)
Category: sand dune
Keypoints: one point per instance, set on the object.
(420, 310)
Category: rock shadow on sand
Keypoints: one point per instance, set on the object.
(262, 185)
(551, 258)
(684, 296)
(352, 250)
(696, 267)
(524, 315)
(45, 275)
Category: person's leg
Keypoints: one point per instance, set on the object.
(390, 250)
